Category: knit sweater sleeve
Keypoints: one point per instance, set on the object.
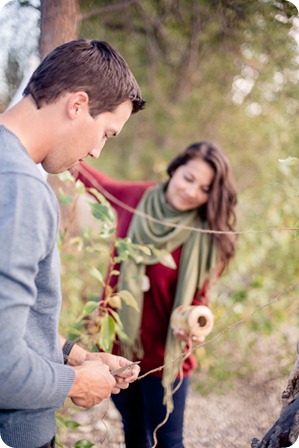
(124, 196)
(32, 375)
(119, 192)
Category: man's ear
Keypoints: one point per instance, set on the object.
(77, 102)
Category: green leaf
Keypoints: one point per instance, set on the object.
(297, 231)
(73, 333)
(102, 212)
(290, 161)
(99, 196)
(107, 333)
(114, 301)
(60, 420)
(106, 232)
(80, 187)
(77, 240)
(64, 198)
(97, 274)
(123, 243)
(146, 250)
(90, 307)
(136, 257)
(120, 258)
(129, 299)
(66, 176)
(116, 318)
(164, 257)
(122, 246)
(83, 443)
(71, 424)
(121, 334)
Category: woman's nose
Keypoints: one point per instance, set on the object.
(192, 191)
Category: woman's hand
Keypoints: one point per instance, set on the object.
(182, 336)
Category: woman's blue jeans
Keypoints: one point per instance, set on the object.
(141, 407)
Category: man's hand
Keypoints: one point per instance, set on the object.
(80, 357)
(115, 362)
(93, 383)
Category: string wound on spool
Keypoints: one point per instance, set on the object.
(193, 320)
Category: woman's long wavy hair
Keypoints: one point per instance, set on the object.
(219, 211)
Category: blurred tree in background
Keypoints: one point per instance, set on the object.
(221, 70)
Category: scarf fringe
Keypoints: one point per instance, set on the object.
(169, 376)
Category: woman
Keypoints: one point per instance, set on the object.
(200, 195)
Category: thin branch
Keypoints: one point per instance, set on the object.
(229, 4)
(189, 58)
(106, 9)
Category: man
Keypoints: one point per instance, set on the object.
(82, 93)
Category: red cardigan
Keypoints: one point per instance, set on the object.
(158, 301)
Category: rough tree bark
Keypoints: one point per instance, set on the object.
(285, 430)
(59, 23)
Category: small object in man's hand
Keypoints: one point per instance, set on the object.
(122, 369)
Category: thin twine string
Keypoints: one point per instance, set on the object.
(133, 210)
(106, 435)
(167, 411)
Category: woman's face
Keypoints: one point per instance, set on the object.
(190, 184)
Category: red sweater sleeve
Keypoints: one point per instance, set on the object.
(123, 195)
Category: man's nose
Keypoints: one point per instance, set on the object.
(95, 153)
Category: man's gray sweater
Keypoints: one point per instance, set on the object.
(34, 382)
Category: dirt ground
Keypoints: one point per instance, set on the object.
(225, 420)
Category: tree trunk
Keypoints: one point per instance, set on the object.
(285, 430)
(59, 23)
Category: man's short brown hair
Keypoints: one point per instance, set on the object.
(88, 65)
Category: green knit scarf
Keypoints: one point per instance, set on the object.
(196, 263)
